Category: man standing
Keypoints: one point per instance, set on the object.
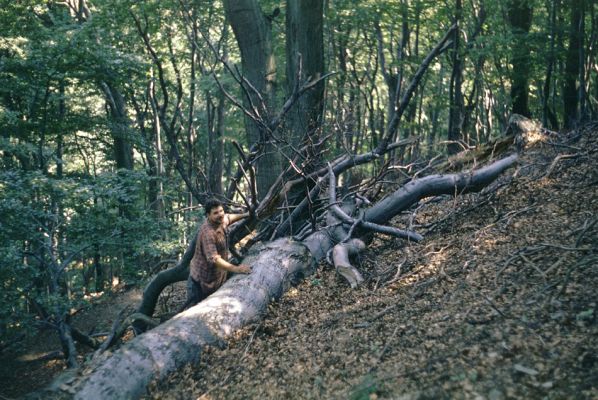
(209, 266)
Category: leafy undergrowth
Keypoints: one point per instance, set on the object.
(498, 302)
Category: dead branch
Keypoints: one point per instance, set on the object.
(344, 163)
(169, 276)
(68, 344)
(435, 185)
(119, 329)
(440, 47)
(340, 259)
(111, 337)
(82, 338)
(556, 161)
(341, 215)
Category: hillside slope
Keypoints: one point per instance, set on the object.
(499, 301)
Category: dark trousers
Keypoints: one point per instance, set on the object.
(194, 294)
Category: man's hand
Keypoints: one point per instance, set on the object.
(243, 269)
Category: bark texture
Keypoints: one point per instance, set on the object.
(253, 32)
(305, 53)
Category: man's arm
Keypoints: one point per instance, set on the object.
(225, 265)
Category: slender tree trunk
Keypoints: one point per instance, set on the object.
(436, 109)
(157, 164)
(191, 134)
(456, 102)
(123, 151)
(547, 113)
(583, 111)
(215, 144)
(572, 65)
(592, 69)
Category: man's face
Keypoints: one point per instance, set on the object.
(216, 215)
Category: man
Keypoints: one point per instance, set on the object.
(209, 266)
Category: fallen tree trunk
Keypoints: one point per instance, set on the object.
(243, 299)
(126, 373)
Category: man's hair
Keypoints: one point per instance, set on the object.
(211, 204)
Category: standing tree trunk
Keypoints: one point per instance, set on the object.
(520, 18)
(572, 66)
(123, 151)
(548, 114)
(305, 62)
(305, 53)
(215, 143)
(253, 33)
(456, 102)
(583, 106)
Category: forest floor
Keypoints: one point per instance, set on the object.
(498, 302)
(34, 362)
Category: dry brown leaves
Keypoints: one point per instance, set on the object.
(498, 302)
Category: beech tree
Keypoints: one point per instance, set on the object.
(276, 265)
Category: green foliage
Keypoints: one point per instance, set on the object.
(41, 242)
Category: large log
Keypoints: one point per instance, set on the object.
(126, 373)
(243, 299)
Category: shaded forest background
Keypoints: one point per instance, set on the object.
(118, 118)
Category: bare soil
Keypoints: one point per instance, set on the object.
(498, 302)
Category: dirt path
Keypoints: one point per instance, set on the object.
(24, 367)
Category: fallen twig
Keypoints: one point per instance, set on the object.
(556, 160)
(250, 341)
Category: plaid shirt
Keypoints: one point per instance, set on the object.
(212, 240)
